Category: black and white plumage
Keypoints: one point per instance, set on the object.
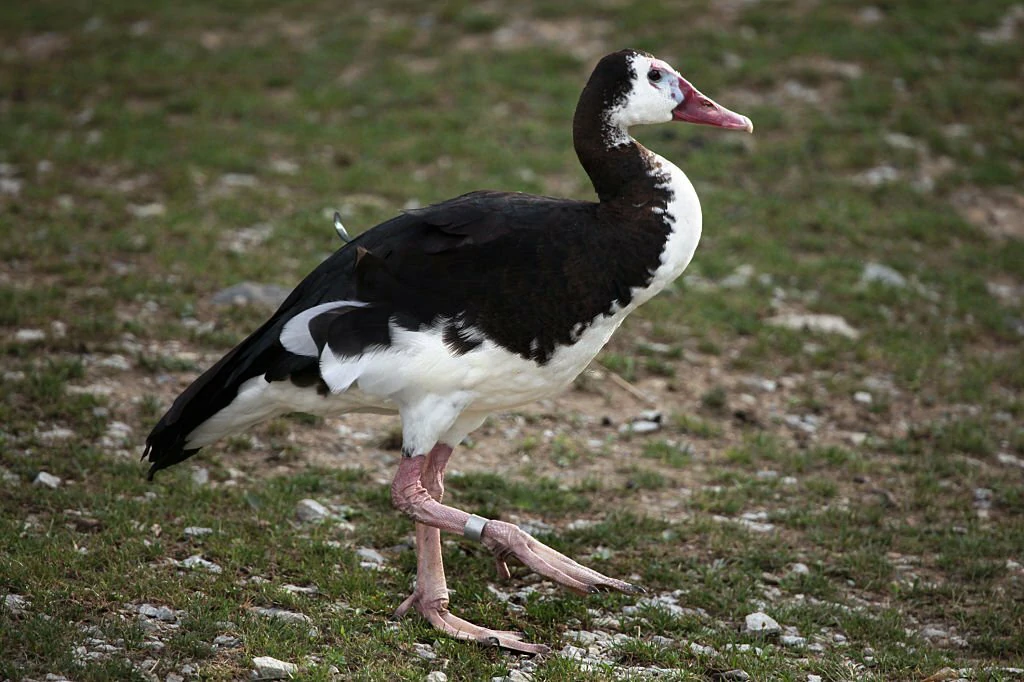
(447, 313)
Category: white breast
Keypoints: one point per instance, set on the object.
(683, 212)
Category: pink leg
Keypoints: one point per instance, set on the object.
(504, 539)
(430, 598)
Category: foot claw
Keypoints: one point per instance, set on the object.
(436, 612)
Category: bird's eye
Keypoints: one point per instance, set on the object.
(654, 75)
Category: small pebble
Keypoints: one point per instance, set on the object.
(759, 623)
(310, 511)
(197, 531)
(29, 335)
(47, 480)
(269, 668)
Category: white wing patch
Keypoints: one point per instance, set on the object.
(295, 336)
(339, 373)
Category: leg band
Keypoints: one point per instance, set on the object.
(474, 529)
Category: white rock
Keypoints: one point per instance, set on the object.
(760, 623)
(739, 278)
(91, 389)
(151, 210)
(1009, 460)
(284, 166)
(197, 561)
(901, 141)
(702, 649)
(573, 652)
(159, 612)
(200, 476)
(368, 554)
(640, 426)
(877, 176)
(799, 569)
(232, 180)
(792, 640)
(282, 614)
(268, 668)
(118, 362)
(766, 385)
(795, 90)
(29, 335)
(749, 524)
(813, 678)
(117, 434)
(857, 438)
(197, 531)
(15, 603)
(983, 497)
(296, 589)
(437, 676)
(58, 433)
(226, 641)
(247, 238)
(11, 186)
(48, 480)
(518, 676)
(825, 324)
(251, 293)
(862, 397)
(1006, 31)
(883, 274)
(424, 651)
(310, 510)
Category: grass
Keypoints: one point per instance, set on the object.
(137, 141)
